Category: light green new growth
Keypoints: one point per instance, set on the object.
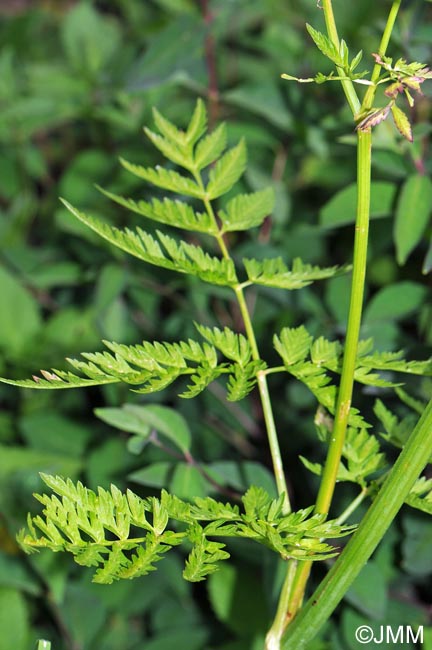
(122, 535)
(152, 367)
(100, 530)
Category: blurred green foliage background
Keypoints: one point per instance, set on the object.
(78, 80)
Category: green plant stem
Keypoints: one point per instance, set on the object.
(375, 523)
(347, 84)
(269, 420)
(273, 442)
(293, 596)
(247, 322)
(360, 252)
(328, 479)
(274, 635)
(370, 93)
(272, 436)
(364, 146)
(352, 506)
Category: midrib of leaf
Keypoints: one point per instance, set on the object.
(269, 419)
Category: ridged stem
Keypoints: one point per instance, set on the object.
(274, 635)
(364, 146)
(370, 93)
(343, 405)
(374, 525)
(328, 480)
(347, 84)
(266, 404)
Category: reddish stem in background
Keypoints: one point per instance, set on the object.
(277, 175)
(210, 57)
(190, 460)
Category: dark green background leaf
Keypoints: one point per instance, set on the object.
(341, 209)
(412, 214)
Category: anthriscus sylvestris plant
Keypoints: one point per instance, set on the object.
(124, 536)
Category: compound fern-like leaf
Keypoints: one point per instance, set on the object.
(420, 496)
(293, 344)
(361, 456)
(210, 148)
(243, 379)
(180, 155)
(167, 179)
(396, 430)
(170, 212)
(232, 345)
(151, 367)
(96, 528)
(227, 171)
(247, 210)
(205, 555)
(275, 273)
(177, 256)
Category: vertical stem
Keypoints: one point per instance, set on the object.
(295, 583)
(272, 436)
(364, 152)
(328, 479)
(343, 405)
(273, 442)
(330, 21)
(275, 633)
(347, 84)
(370, 93)
(364, 146)
(375, 523)
(364, 149)
(266, 404)
(209, 46)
